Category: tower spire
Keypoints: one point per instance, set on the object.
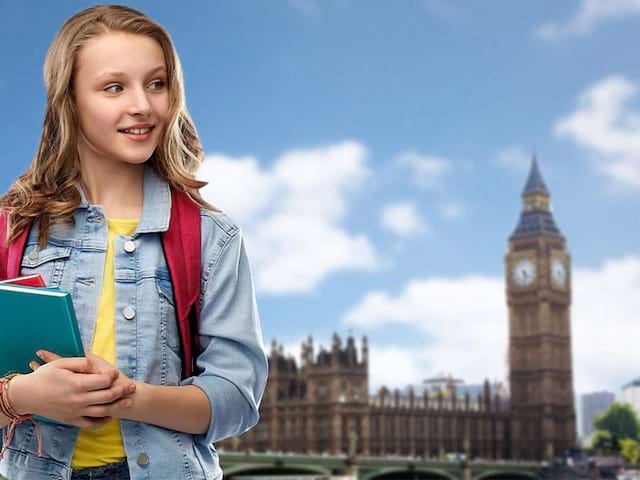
(536, 217)
(535, 184)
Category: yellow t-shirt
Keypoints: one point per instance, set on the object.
(103, 446)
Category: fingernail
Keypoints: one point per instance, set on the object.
(39, 354)
(32, 365)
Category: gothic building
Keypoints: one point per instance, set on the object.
(324, 405)
(539, 298)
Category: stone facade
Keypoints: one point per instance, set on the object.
(323, 406)
(539, 297)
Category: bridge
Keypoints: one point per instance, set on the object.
(286, 466)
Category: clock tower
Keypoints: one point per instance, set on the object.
(539, 297)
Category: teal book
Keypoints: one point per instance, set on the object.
(33, 319)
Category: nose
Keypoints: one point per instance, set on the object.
(139, 104)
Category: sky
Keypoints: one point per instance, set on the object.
(374, 154)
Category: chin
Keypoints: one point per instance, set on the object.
(135, 159)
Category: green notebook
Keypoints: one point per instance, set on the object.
(31, 319)
(34, 318)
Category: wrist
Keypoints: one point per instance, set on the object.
(139, 402)
(17, 393)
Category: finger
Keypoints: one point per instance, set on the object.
(101, 397)
(33, 365)
(98, 361)
(47, 356)
(95, 381)
(75, 364)
(110, 409)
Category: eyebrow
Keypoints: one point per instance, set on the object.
(122, 74)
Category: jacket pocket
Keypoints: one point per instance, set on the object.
(48, 262)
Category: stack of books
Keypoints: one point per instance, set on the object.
(35, 317)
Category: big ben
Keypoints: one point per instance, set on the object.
(538, 283)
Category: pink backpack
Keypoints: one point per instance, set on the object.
(181, 244)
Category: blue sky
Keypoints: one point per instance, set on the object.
(374, 153)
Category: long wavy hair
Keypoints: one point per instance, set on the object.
(47, 191)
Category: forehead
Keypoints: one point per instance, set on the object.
(119, 52)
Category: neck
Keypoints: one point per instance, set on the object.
(117, 188)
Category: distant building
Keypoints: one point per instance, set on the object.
(447, 384)
(592, 405)
(323, 404)
(631, 394)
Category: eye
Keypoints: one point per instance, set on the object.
(111, 87)
(159, 84)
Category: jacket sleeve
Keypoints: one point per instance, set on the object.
(232, 361)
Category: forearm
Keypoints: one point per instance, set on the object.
(184, 408)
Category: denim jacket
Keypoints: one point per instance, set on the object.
(232, 360)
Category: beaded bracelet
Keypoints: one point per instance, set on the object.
(15, 418)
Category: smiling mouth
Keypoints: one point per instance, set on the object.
(136, 131)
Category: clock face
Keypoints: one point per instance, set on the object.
(558, 273)
(524, 272)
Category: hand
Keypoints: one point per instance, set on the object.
(72, 390)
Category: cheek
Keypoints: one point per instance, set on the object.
(161, 107)
(96, 118)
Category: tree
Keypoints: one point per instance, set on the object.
(630, 450)
(620, 420)
(601, 442)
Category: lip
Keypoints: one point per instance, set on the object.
(138, 138)
(138, 125)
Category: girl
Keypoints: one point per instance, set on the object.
(116, 141)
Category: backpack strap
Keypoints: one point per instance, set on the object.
(11, 256)
(181, 244)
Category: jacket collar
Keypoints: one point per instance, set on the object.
(156, 202)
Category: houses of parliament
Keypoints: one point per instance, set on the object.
(324, 404)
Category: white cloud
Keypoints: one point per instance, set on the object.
(243, 188)
(465, 327)
(515, 158)
(590, 14)
(292, 213)
(397, 366)
(426, 170)
(605, 124)
(463, 322)
(403, 219)
(451, 211)
(606, 302)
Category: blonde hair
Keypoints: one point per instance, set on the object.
(47, 191)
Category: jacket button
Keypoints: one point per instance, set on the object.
(143, 459)
(129, 312)
(33, 255)
(129, 246)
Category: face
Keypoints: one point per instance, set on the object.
(558, 273)
(120, 84)
(524, 272)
